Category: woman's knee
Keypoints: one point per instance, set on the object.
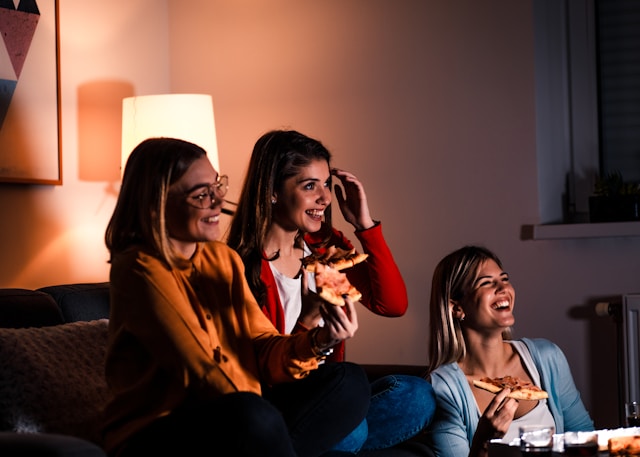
(409, 395)
(253, 413)
(399, 384)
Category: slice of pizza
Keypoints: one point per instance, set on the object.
(334, 257)
(331, 283)
(624, 445)
(520, 389)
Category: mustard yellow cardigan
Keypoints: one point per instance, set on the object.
(179, 336)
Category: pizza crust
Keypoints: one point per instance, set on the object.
(517, 392)
(334, 257)
(349, 261)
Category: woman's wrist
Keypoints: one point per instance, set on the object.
(319, 349)
(367, 226)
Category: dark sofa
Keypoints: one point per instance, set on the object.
(52, 346)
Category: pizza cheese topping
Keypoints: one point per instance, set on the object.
(520, 389)
(331, 283)
(511, 382)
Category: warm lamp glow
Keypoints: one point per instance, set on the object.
(185, 116)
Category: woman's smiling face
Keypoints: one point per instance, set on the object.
(187, 223)
(303, 198)
(491, 299)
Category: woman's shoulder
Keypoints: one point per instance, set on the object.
(220, 249)
(135, 255)
(136, 263)
(541, 344)
(449, 381)
(446, 373)
(542, 348)
(325, 237)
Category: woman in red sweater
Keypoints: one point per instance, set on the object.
(284, 215)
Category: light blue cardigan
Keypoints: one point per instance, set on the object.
(456, 419)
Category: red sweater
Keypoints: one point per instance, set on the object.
(378, 279)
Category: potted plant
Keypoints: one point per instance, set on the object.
(614, 200)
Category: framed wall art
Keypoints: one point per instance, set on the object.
(30, 143)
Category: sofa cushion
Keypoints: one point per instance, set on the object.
(52, 378)
(81, 302)
(47, 445)
(28, 308)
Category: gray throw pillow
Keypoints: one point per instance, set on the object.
(52, 378)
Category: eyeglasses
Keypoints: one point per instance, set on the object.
(204, 197)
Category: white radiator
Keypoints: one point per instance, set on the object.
(631, 346)
(627, 317)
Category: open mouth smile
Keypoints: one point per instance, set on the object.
(314, 213)
(211, 219)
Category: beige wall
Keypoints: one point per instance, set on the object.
(431, 103)
(108, 50)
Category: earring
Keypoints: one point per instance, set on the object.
(461, 318)
(273, 200)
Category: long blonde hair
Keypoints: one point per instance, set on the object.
(452, 280)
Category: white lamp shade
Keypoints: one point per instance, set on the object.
(184, 116)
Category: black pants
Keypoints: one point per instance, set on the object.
(303, 418)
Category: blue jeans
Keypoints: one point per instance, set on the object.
(401, 406)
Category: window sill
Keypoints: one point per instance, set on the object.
(574, 231)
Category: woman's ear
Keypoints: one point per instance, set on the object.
(456, 310)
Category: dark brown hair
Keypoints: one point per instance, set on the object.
(277, 156)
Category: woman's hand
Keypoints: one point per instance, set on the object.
(340, 323)
(494, 422)
(353, 201)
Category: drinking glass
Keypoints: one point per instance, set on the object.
(581, 443)
(536, 440)
(632, 413)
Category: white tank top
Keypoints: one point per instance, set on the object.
(540, 415)
(290, 292)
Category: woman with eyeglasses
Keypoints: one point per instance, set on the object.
(284, 215)
(192, 362)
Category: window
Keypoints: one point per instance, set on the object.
(567, 109)
(618, 37)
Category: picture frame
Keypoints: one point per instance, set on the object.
(30, 111)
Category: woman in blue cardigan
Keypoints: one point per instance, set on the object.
(471, 314)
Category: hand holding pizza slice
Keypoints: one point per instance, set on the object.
(331, 283)
(520, 390)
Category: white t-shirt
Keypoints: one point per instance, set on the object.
(290, 292)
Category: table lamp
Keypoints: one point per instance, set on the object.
(184, 116)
